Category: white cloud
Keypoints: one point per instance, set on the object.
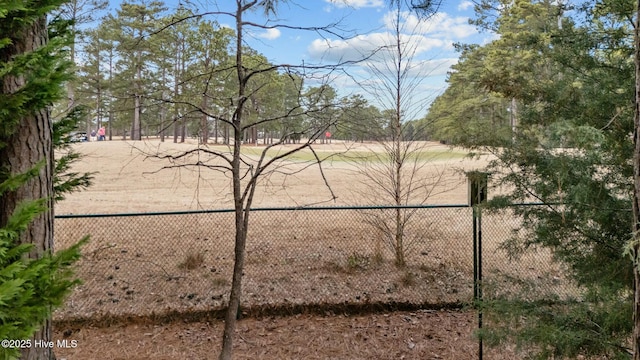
(440, 24)
(370, 47)
(270, 34)
(439, 66)
(356, 4)
(465, 5)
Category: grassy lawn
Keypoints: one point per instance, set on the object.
(357, 155)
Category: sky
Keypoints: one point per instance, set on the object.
(366, 25)
(362, 26)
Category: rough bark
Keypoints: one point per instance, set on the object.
(636, 193)
(28, 146)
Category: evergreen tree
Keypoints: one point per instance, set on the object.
(569, 87)
(135, 21)
(466, 113)
(208, 77)
(33, 280)
(359, 120)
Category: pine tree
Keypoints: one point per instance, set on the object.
(33, 280)
(569, 86)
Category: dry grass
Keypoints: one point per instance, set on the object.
(132, 267)
(192, 261)
(130, 181)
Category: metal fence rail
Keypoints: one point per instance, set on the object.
(142, 264)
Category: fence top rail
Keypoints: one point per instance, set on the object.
(293, 208)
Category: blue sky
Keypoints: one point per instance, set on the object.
(363, 26)
(366, 25)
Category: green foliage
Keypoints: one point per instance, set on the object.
(65, 180)
(182, 68)
(30, 288)
(568, 93)
(466, 114)
(570, 328)
(32, 282)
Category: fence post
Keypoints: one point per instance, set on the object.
(477, 196)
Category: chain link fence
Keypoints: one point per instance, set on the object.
(516, 274)
(143, 264)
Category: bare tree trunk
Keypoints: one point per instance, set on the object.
(29, 145)
(241, 209)
(397, 144)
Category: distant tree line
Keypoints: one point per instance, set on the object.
(141, 74)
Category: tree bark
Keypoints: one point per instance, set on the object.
(135, 126)
(636, 193)
(204, 122)
(28, 146)
(241, 208)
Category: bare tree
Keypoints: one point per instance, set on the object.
(397, 172)
(244, 118)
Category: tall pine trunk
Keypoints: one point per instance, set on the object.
(636, 193)
(204, 121)
(28, 146)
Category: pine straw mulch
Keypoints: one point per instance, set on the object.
(421, 334)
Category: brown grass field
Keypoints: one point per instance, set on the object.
(128, 180)
(140, 266)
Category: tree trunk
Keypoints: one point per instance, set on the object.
(183, 129)
(215, 131)
(135, 128)
(514, 118)
(109, 128)
(163, 112)
(183, 61)
(137, 108)
(204, 122)
(111, 99)
(29, 145)
(241, 216)
(176, 89)
(636, 193)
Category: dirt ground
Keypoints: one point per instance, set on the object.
(130, 181)
(398, 335)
